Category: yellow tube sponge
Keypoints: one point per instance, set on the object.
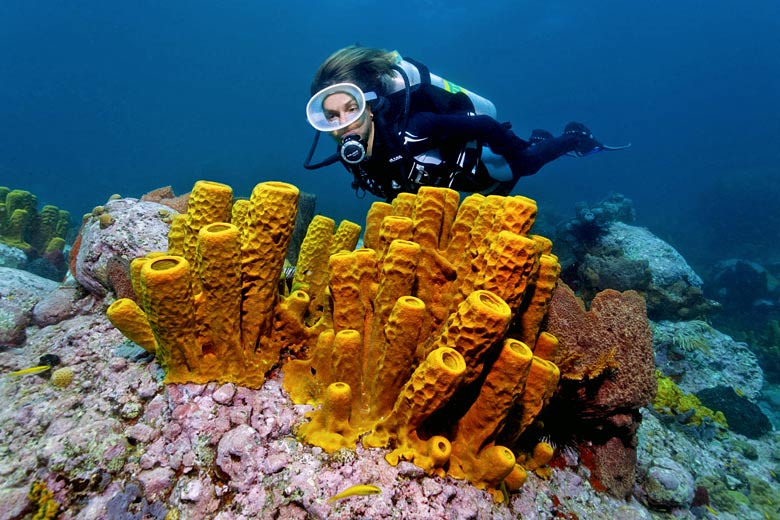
(493, 465)
(306, 379)
(374, 218)
(329, 427)
(401, 343)
(421, 291)
(311, 269)
(511, 261)
(480, 321)
(403, 204)
(128, 317)
(15, 228)
(536, 309)
(347, 360)
(176, 235)
(56, 244)
(266, 234)
(394, 364)
(218, 262)
(396, 280)
(353, 286)
(538, 460)
(503, 386)
(473, 446)
(393, 228)
(434, 209)
(546, 346)
(540, 385)
(210, 202)
(170, 309)
(219, 315)
(431, 385)
(516, 478)
(346, 237)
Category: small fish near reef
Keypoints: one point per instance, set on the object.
(32, 370)
(360, 489)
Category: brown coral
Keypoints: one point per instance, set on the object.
(607, 374)
(611, 344)
(167, 197)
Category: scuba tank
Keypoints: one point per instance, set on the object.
(418, 74)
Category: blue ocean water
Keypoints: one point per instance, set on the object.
(99, 98)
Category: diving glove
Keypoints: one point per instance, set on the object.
(585, 143)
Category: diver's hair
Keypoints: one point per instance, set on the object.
(370, 69)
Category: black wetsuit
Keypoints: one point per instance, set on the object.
(398, 163)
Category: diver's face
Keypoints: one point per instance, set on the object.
(341, 107)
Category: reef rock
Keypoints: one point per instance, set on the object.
(11, 256)
(742, 284)
(697, 356)
(19, 292)
(65, 302)
(674, 290)
(123, 227)
(668, 484)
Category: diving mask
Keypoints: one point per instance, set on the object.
(316, 114)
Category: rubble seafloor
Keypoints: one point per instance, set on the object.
(117, 443)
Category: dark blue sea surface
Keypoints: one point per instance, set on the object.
(99, 98)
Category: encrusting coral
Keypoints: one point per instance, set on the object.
(24, 227)
(42, 500)
(672, 400)
(403, 340)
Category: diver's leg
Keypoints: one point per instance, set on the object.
(545, 148)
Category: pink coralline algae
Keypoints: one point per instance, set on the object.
(117, 442)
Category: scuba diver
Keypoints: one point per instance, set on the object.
(400, 127)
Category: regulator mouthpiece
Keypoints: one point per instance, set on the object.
(352, 149)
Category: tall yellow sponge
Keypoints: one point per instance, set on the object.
(219, 271)
(266, 234)
(169, 307)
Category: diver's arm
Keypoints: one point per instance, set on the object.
(523, 157)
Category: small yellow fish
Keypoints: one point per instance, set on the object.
(360, 489)
(31, 370)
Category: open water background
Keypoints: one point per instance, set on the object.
(102, 97)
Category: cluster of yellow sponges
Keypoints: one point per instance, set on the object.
(211, 308)
(417, 357)
(402, 342)
(24, 227)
